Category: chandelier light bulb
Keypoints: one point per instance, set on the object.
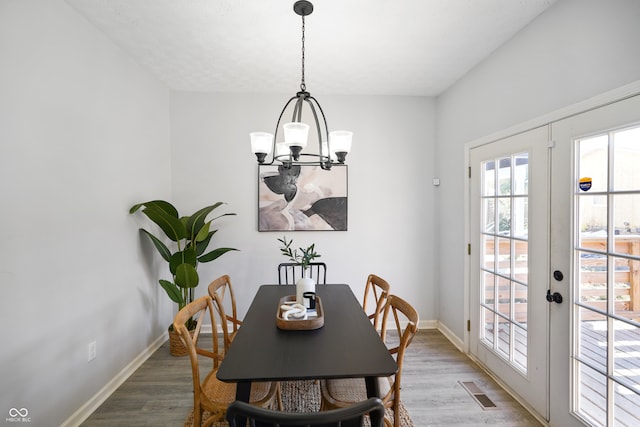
(261, 144)
(340, 141)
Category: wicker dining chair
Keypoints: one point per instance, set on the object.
(212, 394)
(351, 416)
(340, 393)
(378, 289)
(290, 272)
(224, 290)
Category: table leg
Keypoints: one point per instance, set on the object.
(243, 393)
(373, 390)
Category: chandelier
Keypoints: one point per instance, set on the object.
(332, 146)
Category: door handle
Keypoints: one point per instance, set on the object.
(555, 297)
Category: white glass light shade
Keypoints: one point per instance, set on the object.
(261, 142)
(282, 149)
(340, 141)
(296, 133)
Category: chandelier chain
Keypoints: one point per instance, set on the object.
(303, 86)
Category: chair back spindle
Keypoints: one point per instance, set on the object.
(290, 272)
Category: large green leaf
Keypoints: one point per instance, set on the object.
(196, 221)
(188, 256)
(171, 225)
(161, 247)
(172, 290)
(203, 233)
(202, 245)
(216, 253)
(166, 207)
(186, 276)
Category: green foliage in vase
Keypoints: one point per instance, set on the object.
(302, 258)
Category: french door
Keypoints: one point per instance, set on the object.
(509, 229)
(595, 241)
(554, 295)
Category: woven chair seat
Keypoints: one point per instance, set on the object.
(351, 390)
(224, 393)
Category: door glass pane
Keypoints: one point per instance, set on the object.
(520, 300)
(520, 217)
(592, 403)
(521, 261)
(504, 337)
(607, 351)
(504, 296)
(592, 280)
(625, 279)
(488, 215)
(520, 356)
(489, 179)
(626, 360)
(626, 406)
(626, 155)
(592, 218)
(488, 330)
(626, 220)
(504, 216)
(503, 256)
(504, 176)
(592, 339)
(489, 281)
(488, 252)
(593, 163)
(521, 174)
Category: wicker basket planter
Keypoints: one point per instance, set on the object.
(176, 346)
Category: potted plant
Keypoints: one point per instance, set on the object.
(190, 237)
(302, 258)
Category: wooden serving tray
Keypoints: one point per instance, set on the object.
(300, 325)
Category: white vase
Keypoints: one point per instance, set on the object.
(304, 284)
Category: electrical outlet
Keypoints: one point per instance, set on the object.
(91, 351)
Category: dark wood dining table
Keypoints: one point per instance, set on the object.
(346, 346)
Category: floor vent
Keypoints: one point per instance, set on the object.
(478, 395)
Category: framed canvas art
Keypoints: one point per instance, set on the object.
(302, 197)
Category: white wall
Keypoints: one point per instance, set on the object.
(574, 51)
(390, 205)
(84, 134)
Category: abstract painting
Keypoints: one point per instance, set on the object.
(302, 197)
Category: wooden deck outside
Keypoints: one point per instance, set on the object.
(625, 376)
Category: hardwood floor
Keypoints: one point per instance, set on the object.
(159, 393)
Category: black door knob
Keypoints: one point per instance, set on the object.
(555, 297)
(558, 275)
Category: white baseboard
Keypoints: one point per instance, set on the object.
(451, 336)
(101, 396)
(428, 324)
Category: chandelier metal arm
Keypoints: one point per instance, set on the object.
(325, 161)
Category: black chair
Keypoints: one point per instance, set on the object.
(351, 416)
(290, 272)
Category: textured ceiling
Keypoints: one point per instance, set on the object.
(381, 47)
